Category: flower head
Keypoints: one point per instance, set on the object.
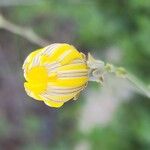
(55, 74)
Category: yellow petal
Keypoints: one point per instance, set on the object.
(37, 74)
(31, 93)
(37, 79)
(72, 67)
(53, 104)
(60, 98)
(69, 82)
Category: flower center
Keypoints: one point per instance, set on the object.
(37, 79)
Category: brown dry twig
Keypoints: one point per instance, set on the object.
(25, 32)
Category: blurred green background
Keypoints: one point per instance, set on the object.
(116, 31)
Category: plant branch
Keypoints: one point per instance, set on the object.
(27, 33)
(121, 72)
(142, 88)
(98, 69)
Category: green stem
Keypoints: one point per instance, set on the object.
(121, 72)
(99, 68)
(143, 89)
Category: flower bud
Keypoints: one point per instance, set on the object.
(55, 74)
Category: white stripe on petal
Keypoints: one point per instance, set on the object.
(35, 61)
(64, 89)
(73, 71)
(46, 96)
(65, 54)
(51, 67)
(50, 49)
(78, 61)
(71, 77)
(64, 93)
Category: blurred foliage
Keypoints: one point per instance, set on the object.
(91, 25)
(128, 130)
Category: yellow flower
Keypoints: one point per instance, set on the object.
(55, 74)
